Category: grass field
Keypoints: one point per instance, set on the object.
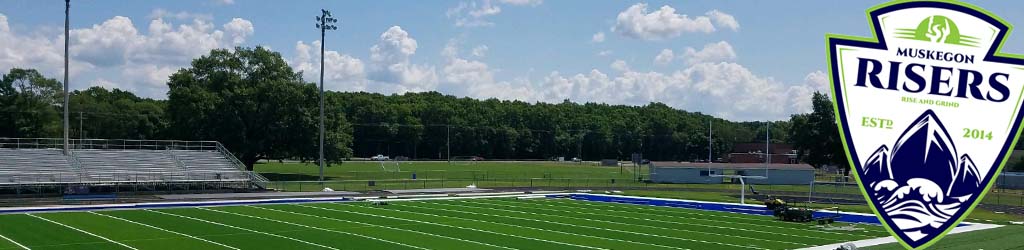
(353, 176)
(496, 223)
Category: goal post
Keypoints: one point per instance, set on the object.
(743, 183)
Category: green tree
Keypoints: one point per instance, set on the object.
(250, 100)
(816, 137)
(116, 114)
(28, 104)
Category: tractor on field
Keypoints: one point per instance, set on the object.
(782, 211)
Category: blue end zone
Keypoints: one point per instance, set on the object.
(714, 206)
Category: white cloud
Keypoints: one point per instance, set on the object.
(637, 22)
(342, 72)
(664, 57)
(3, 24)
(116, 47)
(597, 37)
(480, 51)
(523, 2)
(723, 19)
(159, 13)
(800, 95)
(238, 29)
(475, 13)
(620, 65)
(713, 52)
(390, 66)
(604, 53)
(224, 2)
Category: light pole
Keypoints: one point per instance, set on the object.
(67, 22)
(325, 23)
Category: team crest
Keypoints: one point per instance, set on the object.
(928, 111)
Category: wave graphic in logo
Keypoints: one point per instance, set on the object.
(922, 182)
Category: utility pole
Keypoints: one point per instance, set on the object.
(81, 133)
(67, 23)
(448, 143)
(326, 22)
(767, 148)
(709, 140)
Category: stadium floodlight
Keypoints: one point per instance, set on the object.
(67, 23)
(324, 22)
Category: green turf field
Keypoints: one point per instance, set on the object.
(494, 223)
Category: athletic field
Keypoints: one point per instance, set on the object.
(493, 223)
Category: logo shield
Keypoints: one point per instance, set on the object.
(928, 110)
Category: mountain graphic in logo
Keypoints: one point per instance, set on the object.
(922, 182)
(938, 29)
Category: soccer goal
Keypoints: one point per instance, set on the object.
(743, 184)
(390, 166)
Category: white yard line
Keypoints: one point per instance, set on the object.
(82, 231)
(312, 227)
(15, 242)
(464, 228)
(165, 230)
(674, 222)
(694, 218)
(241, 228)
(393, 228)
(534, 228)
(602, 228)
(532, 206)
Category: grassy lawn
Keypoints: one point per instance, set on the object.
(355, 176)
(1007, 237)
(362, 170)
(495, 223)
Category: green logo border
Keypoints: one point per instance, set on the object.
(835, 107)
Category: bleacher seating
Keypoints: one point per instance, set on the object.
(35, 166)
(124, 163)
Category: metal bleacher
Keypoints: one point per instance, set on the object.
(40, 161)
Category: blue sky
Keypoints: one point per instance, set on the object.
(743, 60)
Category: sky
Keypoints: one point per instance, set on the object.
(739, 60)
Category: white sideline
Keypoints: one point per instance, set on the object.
(533, 228)
(241, 228)
(15, 242)
(312, 227)
(465, 228)
(393, 228)
(165, 230)
(591, 227)
(673, 222)
(887, 240)
(83, 231)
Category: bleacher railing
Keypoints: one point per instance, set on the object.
(107, 144)
(124, 177)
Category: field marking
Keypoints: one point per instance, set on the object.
(674, 222)
(660, 221)
(711, 215)
(15, 242)
(83, 231)
(533, 228)
(240, 228)
(165, 230)
(597, 228)
(312, 227)
(393, 228)
(451, 226)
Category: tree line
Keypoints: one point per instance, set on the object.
(250, 100)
